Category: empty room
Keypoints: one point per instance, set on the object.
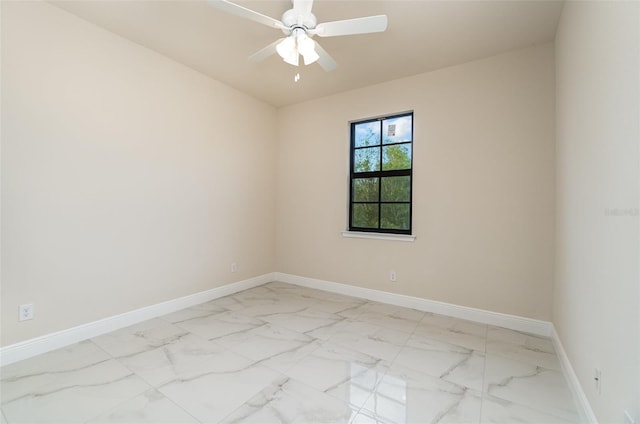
(329, 211)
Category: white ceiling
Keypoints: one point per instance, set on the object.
(421, 36)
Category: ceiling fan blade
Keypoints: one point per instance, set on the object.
(243, 12)
(302, 9)
(264, 53)
(364, 25)
(325, 61)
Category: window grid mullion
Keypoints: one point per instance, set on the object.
(380, 180)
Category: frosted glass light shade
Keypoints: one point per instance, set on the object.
(287, 51)
(307, 48)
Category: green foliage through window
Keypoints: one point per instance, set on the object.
(381, 173)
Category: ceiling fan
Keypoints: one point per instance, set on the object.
(299, 25)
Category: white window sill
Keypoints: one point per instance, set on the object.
(378, 236)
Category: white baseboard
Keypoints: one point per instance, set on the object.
(513, 322)
(49, 342)
(57, 340)
(586, 413)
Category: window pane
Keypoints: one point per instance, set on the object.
(367, 134)
(367, 160)
(381, 167)
(396, 157)
(365, 215)
(395, 216)
(396, 189)
(365, 190)
(397, 130)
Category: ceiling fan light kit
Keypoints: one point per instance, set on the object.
(287, 51)
(299, 25)
(298, 43)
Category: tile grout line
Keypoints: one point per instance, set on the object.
(484, 373)
(391, 362)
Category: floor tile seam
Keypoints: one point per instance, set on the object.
(103, 349)
(484, 372)
(373, 393)
(331, 343)
(415, 327)
(525, 362)
(544, 411)
(177, 406)
(386, 327)
(379, 325)
(360, 307)
(404, 345)
(519, 345)
(486, 392)
(85, 386)
(205, 340)
(237, 312)
(202, 362)
(491, 338)
(34, 389)
(252, 363)
(386, 371)
(152, 388)
(177, 323)
(89, 385)
(484, 377)
(142, 377)
(149, 347)
(222, 420)
(288, 379)
(439, 377)
(260, 362)
(233, 348)
(379, 418)
(62, 379)
(280, 327)
(217, 338)
(248, 397)
(330, 331)
(455, 344)
(57, 363)
(60, 364)
(445, 330)
(349, 404)
(328, 344)
(120, 360)
(361, 408)
(392, 361)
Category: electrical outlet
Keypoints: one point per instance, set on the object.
(597, 378)
(392, 276)
(25, 311)
(234, 267)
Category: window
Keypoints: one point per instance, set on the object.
(381, 173)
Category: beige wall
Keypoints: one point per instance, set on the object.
(596, 283)
(127, 179)
(483, 186)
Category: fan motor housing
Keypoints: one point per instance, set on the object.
(292, 21)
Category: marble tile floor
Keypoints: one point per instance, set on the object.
(280, 353)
